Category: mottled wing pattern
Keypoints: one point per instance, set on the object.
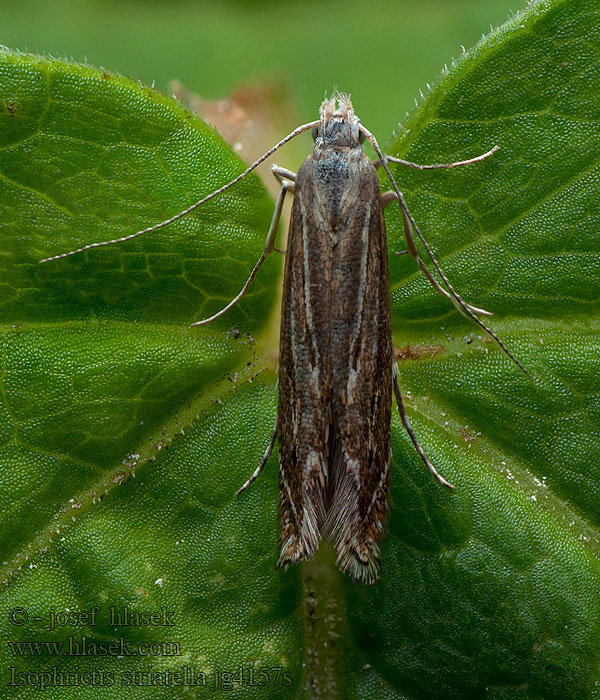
(335, 376)
(304, 376)
(362, 361)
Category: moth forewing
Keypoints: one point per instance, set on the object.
(336, 365)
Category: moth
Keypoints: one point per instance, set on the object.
(336, 359)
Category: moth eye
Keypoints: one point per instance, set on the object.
(361, 137)
(316, 132)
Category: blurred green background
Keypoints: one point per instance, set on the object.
(381, 52)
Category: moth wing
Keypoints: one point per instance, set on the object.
(304, 376)
(335, 375)
(362, 361)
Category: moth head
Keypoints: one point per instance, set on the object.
(338, 127)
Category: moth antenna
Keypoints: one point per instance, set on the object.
(166, 222)
(467, 311)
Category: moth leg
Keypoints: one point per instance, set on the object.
(388, 197)
(413, 252)
(286, 186)
(436, 166)
(465, 309)
(440, 166)
(413, 437)
(411, 249)
(283, 174)
(469, 311)
(263, 461)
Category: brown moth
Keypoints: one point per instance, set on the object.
(336, 364)
(336, 355)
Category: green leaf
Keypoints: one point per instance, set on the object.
(125, 433)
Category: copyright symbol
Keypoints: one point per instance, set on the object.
(18, 616)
